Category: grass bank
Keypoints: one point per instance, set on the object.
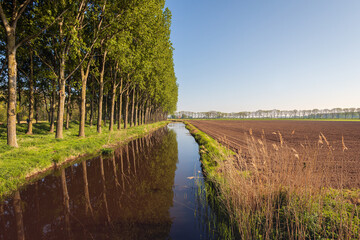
(275, 192)
(41, 151)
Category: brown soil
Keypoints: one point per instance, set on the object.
(233, 133)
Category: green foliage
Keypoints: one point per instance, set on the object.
(107, 151)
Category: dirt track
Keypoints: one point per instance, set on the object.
(233, 133)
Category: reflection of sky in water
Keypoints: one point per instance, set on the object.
(183, 213)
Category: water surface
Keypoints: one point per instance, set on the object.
(151, 188)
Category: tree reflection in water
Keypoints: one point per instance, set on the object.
(129, 194)
(81, 201)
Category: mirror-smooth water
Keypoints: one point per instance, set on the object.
(151, 188)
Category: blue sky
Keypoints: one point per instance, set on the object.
(245, 55)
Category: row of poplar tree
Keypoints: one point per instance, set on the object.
(119, 49)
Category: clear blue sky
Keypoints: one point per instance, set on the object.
(245, 55)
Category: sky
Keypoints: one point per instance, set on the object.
(246, 55)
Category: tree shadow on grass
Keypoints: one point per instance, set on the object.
(21, 129)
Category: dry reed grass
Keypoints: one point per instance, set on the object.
(274, 191)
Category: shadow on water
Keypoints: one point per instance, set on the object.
(147, 189)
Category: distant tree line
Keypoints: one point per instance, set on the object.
(335, 113)
(95, 61)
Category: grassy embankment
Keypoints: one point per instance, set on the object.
(41, 151)
(275, 192)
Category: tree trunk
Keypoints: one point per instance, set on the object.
(106, 110)
(92, 106)
(146, 115)
(126, 109)
(132, 109)
(36, 108)
(12, 77)
(140, 115)
(68, 105)
(136, 109)
(101, 91)
(120, 103)
(112, 111)
(52, 107)
(62, 81)
(31, 95)
(84, 77)
(18, 116)
(61, 105)
(120, 110)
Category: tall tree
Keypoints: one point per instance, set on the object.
(11, 13)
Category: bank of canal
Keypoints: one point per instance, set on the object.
(151, 188)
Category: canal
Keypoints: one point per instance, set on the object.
(151, 188)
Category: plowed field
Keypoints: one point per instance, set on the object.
(234, 133)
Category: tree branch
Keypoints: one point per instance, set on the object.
(3, 18)
(21, 70)
(28, 38)
(46, 63)
(22, 9)
(77, 67)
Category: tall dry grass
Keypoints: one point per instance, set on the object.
(274, 191)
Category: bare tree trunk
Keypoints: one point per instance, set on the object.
(115, 111)
(132, 109)
(101, 91)
(84, 77)
(31, 95)
(136, 109)
(18, 115)
(82, 106)
(112, 110)
(147, 115)
(68, 105)
(12, 77)
(142, 115)
(106, 110)
(120, 104)
(120, 111)
(62, 81)
(36, 108)
(52, 107)
(61, 106)
(126, 109)
(92, 105)
(61, 99)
